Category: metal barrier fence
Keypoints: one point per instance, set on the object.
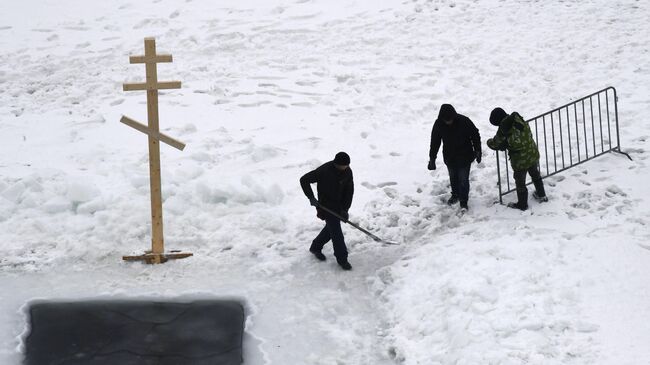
(570, 135)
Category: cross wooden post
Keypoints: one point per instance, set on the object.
(151, 85)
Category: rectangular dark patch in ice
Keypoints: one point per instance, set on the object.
(135, 332)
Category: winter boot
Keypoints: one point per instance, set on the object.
(463, 206)
(540, 193)
(345, 265)
(318, 254)
(522, 203)
(453, 200)
(540, 198)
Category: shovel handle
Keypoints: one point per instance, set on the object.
(354, 225)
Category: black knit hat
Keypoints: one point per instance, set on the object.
(497, 116)
(342, 159)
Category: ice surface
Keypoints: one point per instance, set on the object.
(271, 89)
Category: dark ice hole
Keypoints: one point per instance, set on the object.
(135, 332)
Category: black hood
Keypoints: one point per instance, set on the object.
(447, 112)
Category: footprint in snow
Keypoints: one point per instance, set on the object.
(307, 83)
(581, 205)
(303, 104)
(615, 190)
(385, 184)
(407, 201)
(254, 104)
(391, 193)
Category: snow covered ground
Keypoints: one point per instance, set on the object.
(273, 88)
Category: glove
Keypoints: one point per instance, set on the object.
(320, 214)
(313, 202)
(345, 215)
(432, 165)
(478, 156)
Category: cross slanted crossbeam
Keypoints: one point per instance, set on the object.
(152, 130)
(159, 136)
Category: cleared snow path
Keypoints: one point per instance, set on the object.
(272, 89)
(310, 313)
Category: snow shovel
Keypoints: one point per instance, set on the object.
(356, 226)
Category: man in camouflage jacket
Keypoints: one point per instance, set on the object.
(514, 135)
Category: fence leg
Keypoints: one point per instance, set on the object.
(499, 179)
(617, 150)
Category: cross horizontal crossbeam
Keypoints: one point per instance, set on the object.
(151, 59)
(155, 135)
(152, 86)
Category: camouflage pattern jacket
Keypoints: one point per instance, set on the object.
(515, 136)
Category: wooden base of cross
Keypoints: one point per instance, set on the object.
(157, 254)
(157, 258)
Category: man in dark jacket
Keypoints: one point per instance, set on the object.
(515, 136)
(335, 189)
(461, 146)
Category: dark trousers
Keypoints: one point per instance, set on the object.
(332, 231)
(520, 180)
(459, 181)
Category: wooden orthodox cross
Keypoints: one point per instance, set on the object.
(151, 59)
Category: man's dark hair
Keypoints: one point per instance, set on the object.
(342, 159)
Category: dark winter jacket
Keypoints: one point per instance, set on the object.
(514, 135)
(461, 140)
(335, 188)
